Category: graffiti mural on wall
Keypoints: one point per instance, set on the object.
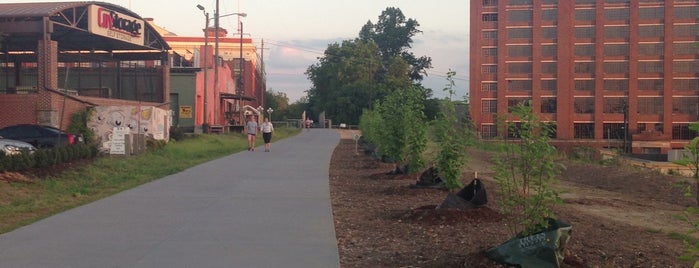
(150, 121)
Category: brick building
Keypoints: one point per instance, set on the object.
(59, 58)
(617, 73)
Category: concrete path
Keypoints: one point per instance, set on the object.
(250, 209)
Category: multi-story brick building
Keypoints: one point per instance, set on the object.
(619, 73)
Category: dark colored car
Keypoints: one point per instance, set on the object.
(40, 136)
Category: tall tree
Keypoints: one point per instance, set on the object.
(393, 33)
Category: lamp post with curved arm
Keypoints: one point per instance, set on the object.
(216, 62)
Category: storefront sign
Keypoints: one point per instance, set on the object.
(185, 111)
(112, 24)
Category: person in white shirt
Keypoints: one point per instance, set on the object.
(267, 128)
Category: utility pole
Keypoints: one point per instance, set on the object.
(216, 62)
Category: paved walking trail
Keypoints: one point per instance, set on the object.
(249, 209)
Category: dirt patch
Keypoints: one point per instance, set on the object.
(621, 216)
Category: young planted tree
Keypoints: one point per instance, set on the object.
(452, 139)
(404, 130)
(691, 157)
(525, 171)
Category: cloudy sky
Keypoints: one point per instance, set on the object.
(296, 32)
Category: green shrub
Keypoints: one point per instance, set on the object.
(176, 134)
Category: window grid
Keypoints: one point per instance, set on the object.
(685, 30)
(616, 49)
(685, 105)
(489, 69)
(616, 14)
(685, 84)
(651, 30)
(585, 14)
(519, 15)
(684, 66)
(585, 85)
(519, 68)
(685, 49)
(650, 67)
(651, 13)
(514, 101)
(519, 51)
(650, 105)
(651, 49)
(489, 131)
(614, 105)
(621, 31)
(519, 85)
(613, 131)
(584, 130)
(585, 50)
(686, 12)
(548, 105)
(549, 32)
(489, 17)
(549, 85)
(490, 52)
(584, 105)
(549, 50)
(584, 67)
(651, 84)
(490, 35)
(681, 131)
(549, 67)
(489, 86)
(489, 106)
(585, 32)
(616, 67)
(616, 85)
(549, 15)
(519, 33)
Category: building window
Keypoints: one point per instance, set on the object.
(682, 132)
(685, 30)
(514, 101)
(549, 85)
(651, 13)
(490, 34)
(685, 49)
(616, 84)
(489, 86)
(514, 129)
(586, 67)
(614, 105)
(549, 2)
(584, 32)
(650, 67)
(651, 30)
(650, 49)
(489, 131)
(684, 66)
(685, 105)
(584, 105)
(549, 32)
(519, 2)
(651, 84)
(584, 130)
(549, 67)
(650, 105)
(585, 50)
(489, 106)
(640, 128)
(549, 50)
(585, 85)
(489, 17)
(585, 1)
(616, 49)
(519, 33)
(613, 131)
(490, 3)
(519, 85)
(585, 14)
(519, 15)
(686, 12)
(519, 51)
(616, 13)
(548, 105)
(489, 69)
(621, 31)
(685, 84)
(490, 52)
(519, 68)
(549, 15)
(616, 67)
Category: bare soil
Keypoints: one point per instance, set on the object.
(622, 216)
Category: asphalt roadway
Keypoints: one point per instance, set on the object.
(249, 209)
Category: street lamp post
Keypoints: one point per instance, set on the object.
(206, 78)
(216, 62)
(269, 112)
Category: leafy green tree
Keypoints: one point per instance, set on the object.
(691, 158)
(404, 131)
(279, 102)
(525, 171)
(452, 139)
(393, 33)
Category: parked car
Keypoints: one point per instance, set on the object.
(40, 136)
(13, 147)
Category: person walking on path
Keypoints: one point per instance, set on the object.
(267, 129)
(252, 132)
